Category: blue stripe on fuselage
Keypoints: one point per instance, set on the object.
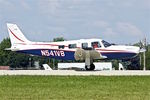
(69, 55)
(118, 55)
(58, 54)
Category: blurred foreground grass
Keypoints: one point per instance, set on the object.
(74, 87)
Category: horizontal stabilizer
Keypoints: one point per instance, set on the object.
(15, 49)
(7, 49)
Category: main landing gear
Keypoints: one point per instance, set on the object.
(87, 55)
(89, 62)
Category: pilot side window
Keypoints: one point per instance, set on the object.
(96, 45)
(61, 46)
(84, 45)
(71, 46)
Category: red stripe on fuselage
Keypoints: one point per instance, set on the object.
(49, 44)
(50, 49)
(16, 36)
(108, 50)
(21, 43)
(100, 50)
(79, 47)
(118, 52)
(52, 45)
(113, 51)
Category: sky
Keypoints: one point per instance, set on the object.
(117, 21)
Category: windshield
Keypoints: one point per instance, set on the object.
(106, 44)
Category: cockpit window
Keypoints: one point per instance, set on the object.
(71, 46)
(84, 45)
(61, 46)
(96, 45)
(106, 44)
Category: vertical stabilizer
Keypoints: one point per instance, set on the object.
(16, 36)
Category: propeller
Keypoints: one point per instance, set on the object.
(142, 45)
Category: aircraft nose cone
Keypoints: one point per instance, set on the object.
(133, 49)
(137, 50)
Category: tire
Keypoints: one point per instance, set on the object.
(92, 67)
(89, 68)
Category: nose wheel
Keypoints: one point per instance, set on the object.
(90, 67)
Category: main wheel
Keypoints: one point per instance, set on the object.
(87, 67)
(91, 67)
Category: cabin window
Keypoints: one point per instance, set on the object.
(96, 45)
(106, 44)
(84, 45)
(61, 46)
(72, 46)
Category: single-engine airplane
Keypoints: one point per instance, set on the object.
(86, 50)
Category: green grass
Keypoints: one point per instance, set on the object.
(74, 88)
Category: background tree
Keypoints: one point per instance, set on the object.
(58, 39)
(12, 59)
(4, 55)
(148, 58)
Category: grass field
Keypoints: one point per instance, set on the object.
(74, 88)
